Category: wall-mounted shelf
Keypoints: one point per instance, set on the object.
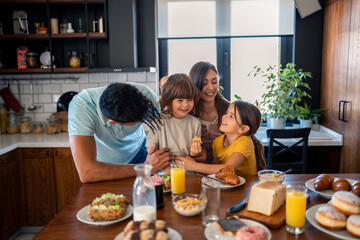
(88, 42)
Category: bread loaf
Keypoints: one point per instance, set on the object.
(266, 197)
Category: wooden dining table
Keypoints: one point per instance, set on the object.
(66, 226)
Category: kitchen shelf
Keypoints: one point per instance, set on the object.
(28, 70)
(62, 70)
(25, 36)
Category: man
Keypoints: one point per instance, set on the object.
(106, 133)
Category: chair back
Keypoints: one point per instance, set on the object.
(299, 160)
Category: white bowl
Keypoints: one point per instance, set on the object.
(193, 205)
(271, 175)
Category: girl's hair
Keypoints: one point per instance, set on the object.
(198, 73)
(178, 86)
(251, 116)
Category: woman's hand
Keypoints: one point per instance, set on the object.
(195, 149)
(188, 162)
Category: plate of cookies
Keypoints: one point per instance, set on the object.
(326, 185)
(339, 218)
(107, 209)
(148, 229)
(233, 228)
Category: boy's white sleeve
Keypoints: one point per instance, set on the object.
(152, 138)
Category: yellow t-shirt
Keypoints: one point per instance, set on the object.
(243, 145)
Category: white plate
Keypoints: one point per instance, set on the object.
(173, 234)
(327, 193)
(82, 216)
(222, 186)
(340, 234)
(212, 231)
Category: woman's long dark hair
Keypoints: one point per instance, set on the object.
(251, 116)
(198, 73)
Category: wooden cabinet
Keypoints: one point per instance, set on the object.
(341, 79)
(10, 210)
(67, 180)
(39, 183)
(50, 180)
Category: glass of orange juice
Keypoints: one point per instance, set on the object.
(177, 176)
(295, 208)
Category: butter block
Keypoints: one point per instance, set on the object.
(266, 197)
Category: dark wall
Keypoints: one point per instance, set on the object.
(146, 33)
(308, 50)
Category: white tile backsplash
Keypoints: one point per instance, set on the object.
(136, 77)
(116, 77)
(47, 91)
(51, 88)
(69, 88)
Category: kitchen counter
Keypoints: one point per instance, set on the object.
(319, 136)
(8, 142)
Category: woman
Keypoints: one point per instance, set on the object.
(212, 105)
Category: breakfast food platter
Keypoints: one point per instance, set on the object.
(213, 183)
(213, 232)
(327, 193)
(82, 216)
(340, 234)
(173, 234)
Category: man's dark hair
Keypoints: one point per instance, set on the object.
(124, 103)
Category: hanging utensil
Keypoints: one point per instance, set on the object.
(32, 107)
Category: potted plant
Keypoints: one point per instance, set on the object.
(285, 88)
(306, 115)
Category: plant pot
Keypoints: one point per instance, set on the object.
(306, 123)
(275, 123)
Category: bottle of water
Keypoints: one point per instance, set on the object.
(144, 198)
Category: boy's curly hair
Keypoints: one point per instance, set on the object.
(124, 103)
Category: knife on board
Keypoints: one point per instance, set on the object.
(239, 206)
(206, 176)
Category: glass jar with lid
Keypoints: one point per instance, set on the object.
(12, 123)
(25, 125)
(53, 125)
(38, 127)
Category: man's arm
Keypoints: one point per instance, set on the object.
(83, 149)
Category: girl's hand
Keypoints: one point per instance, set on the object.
(189, 163)
(195, 149)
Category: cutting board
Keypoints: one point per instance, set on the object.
(274, 221)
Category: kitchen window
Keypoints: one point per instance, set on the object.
(234, 35)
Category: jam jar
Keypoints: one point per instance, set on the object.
(32, 60)
(25, 125)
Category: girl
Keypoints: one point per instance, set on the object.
(178, 97)
(212, 105)
(238, 146)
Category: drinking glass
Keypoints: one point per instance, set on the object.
(211, 212)
(295, 208)
(177, 174)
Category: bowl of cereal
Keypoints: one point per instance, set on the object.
(271, 175)
(188, 204)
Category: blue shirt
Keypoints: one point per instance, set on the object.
(115, 143)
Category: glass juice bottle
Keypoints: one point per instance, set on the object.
(144, 198)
